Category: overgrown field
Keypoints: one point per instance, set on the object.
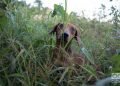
(26, 46)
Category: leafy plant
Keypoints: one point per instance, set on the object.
(26, 47)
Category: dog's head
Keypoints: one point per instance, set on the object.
(66, 33)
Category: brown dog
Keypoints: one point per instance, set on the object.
(63, 54)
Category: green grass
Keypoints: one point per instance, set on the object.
(26, 48)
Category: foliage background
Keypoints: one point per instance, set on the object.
(26, 46)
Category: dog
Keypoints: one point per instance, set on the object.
(62, 53)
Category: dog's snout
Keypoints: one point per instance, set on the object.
(65, 35)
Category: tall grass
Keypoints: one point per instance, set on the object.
(26, 48)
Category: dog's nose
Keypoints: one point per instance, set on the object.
(65, 35)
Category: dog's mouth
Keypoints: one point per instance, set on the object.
(62, 41)
(65, 42)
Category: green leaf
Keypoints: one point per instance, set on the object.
(90, 70)
(116, 63)
(58, 10)
(16, 75)
(88, 55)
(3, 18)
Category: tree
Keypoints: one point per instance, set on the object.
(39, 3)
(101, 13)
(116, 16)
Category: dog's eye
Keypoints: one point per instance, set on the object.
(72, 30)
(60, 26)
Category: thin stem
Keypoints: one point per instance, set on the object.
(65, 14)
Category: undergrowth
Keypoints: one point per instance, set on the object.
(26, 47)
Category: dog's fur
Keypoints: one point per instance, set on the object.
(62, 53)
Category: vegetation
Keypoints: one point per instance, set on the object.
(26, 47)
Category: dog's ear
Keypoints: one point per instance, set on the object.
(58, 26)
(54, 29)
(77, 36)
